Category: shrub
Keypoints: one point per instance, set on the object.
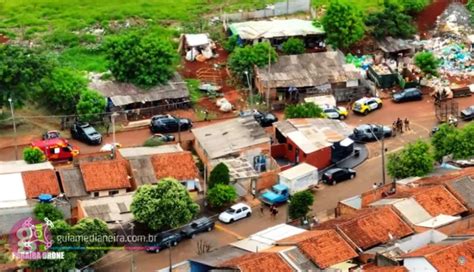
(221, 195)
(33, 155)
(293, 46)
(219, 175)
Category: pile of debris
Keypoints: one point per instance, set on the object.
(455, 20)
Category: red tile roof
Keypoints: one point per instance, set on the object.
(323, 247)
(178, 165)
(264, 261)
(40, 182)
(105, 175)
(371, 227)
(454, 257)
(374, 268)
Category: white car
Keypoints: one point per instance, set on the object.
(236, 212)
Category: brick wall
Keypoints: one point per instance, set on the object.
(267, 179)
(343, 209)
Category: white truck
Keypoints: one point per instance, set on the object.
(299, 178)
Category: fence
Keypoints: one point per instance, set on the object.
(278, 9)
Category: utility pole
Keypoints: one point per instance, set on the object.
(114, 145)
(132, 226)
(169, 256)
(383, 157)
(10, 100)
(268, 81)
(250, 89)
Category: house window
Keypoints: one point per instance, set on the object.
(290, 147)
(96, 194)
(114, 192)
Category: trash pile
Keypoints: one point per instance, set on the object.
(454, 20)
(363, 61)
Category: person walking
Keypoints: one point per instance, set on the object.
(262, 210)
(407, 124)
(400, 125)
(394, 128)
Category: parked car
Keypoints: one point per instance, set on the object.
(468, 113)
(410, 94)
(366, 105)
(164, 137)
(265, 119)
(164, 241)
(197, 226)
(86, 133)
(236, 212)
(370, 132)
(51, 134)
(335, 175)
(333, 112)
(168, 123)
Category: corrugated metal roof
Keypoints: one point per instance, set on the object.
(465, 188)
(302, 142)
(439, 221)
(12, 187)
(412, 211)
(252, 30)
(196, 39)
(72, 182)
(297, 171)
(148, 151)
(109, 208)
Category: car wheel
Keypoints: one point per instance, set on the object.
(157, 250)
(231, 220)
(209, 229)
(342, 117)
(366, 112)
(352, 176)
(193, 235)
(379, 106)
(175, 243)
(248, 215)
(334, 182)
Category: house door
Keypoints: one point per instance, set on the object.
(297, 155)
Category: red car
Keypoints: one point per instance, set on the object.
(56, 149)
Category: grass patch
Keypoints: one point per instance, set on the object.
(194, 93)
(366, 6)
(83, 59)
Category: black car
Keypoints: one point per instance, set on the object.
(370, 132)
(197, 226)
(468, 113)
(164, 241)
(163, 137)
(168, 123)
(86, 133)
(335, 175)
(265, 119)
(411, 94)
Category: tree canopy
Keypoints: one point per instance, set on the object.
(427, 62)
(221, 195)
(414, 160)
(62, 90)
(343, 24)
(458, 142)
(304, 110)
(300, 204)
(414, 6)
(33, 155)
(219, 175)
(21, 71)
(391, 21)
(90, 106)
(293, 46)
(47, 210)
(164, 205)
(143, 60)
(91, 227)
(243, 59)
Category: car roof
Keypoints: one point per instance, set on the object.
(201, 220)
(365, 99)
(238, 206)
(333, 170)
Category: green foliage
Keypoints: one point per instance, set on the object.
(90, 106)
(343, 24)
(414, 6)
(164, 205)
(63, 38)
(91, 227)
(304, 110)
(153, 141)
(47, 210)
(244, 58)
(470, 7)
(194, 93)
(219, 175)
(427, 62)
(293, 46)
(83, 59)
(33, 155)
(61, 91)
(415, 160)
(453, 141)
(300, 204)
(221, 195)
(231, 43)
(21, 70)
(142, 60)
(391, 21)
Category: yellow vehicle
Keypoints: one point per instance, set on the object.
(367, 104)
(333, 112)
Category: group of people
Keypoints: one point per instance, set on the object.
(273, 210)
(398, 125)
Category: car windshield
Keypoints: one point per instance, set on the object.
(90, 130)
(230, 210)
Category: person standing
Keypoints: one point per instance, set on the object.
(407, 124)
(394, 128)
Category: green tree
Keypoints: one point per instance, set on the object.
(304, 110)
(143, 60)
(470, 7)
(453, 141)
(21, 71)
(415, 160)
(414, 6)
(62, 90)
(243, 59)
(427, 62)
(391, 21)
(343, 24)
(293, 46)
(164, 205)
(90, 106)
(91, 227)
(300, 204)
(47, 210)
(221, 195)
(231, 43)
(219, 175)
(33, 155)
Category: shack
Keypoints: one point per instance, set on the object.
(277, 32)
(294, 77)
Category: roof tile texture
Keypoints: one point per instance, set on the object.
(105, 175)
(264, 261)
(178, 165)
(40, 182)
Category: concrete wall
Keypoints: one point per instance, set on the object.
(107, 193)
(343, 209)
(279, 151)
